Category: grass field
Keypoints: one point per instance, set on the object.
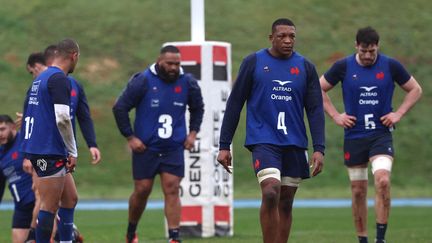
(118, 39)
(311, 225)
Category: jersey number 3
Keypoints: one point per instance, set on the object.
(166, 130)
(281, 123)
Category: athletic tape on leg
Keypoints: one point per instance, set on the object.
(382, 163)
(268, 173)
(291, 181)
(358, 174)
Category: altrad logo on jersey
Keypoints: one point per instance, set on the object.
(368, 92)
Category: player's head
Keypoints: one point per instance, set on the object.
(282, 37)
(367, 40)
(49, 54)
(36, 64)
(7, 129)
(169, 63)
(68, 50)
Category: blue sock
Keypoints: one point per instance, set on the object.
(380, 231)
(174, 233)
(363, 239)
(65, 223)
(44, 226)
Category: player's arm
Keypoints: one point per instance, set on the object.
(128, 99)
(59, 89)
(413, 93)
(86, 125)
(239, 94)
(196, 110)
(327, 82)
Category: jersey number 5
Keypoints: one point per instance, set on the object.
(29, 121)
(281, 123)
(369, 123)
(166, 130)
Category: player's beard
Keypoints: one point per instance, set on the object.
(169, 77)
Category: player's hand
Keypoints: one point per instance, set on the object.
(18, 119)
(344, 120)
(71, 164)
(391, 119)
(224, 158)
(317, 163)
(27, 166)
(189, 143)
(96, 155)
(136, 145)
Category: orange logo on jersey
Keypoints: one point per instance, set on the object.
(379, 75)
(295, 70)
(73, 93)
(257, 164)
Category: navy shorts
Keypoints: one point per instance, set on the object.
(48, 167)
(291, 161)
(358, 151)
(22, 216)
(148, 164)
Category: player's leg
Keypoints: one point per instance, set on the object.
(381, 169)
(172, 172)
(295, 166)
(21, 222)
(359, 184)
(285, 212)
(170, 187)
(50, 190)
(356, 156)
(381, 157)
(31, 238)
(267, 161)
(144, 166)
(65, 214)
(51, 173)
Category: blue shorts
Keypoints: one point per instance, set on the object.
(48, 166)
(148, 164)
(290, 160)
(358, 151)
(22, 216)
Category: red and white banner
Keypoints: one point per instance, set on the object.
(207, 189)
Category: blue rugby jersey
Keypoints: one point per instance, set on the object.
(39, 129)
(80, 111)
(367, 91)
(11, 167)
(160, 109)
(277, 92)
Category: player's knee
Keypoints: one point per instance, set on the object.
(358, 174)
(383, 182)
(382, 163)
(270, 197)
(268, 173)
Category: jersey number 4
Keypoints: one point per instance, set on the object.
(281, 123)
(166, 130)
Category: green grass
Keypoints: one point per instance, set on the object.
(118, 39)
(408, 224)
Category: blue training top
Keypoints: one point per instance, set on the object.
(160, 109)
(41, 136)
(367, 91)
(277, 90)
(11, 168)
